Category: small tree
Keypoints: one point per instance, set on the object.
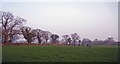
(66, 38)
(86, 42)
(28, 34)
(110, 41)
(46, 35)
(39, 34)
(54, 38)
(75, 37)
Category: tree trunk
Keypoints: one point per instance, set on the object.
(74, 42)
(39, 40)
(29, 40)
(5, 37)
(46, 40)
(11, 38)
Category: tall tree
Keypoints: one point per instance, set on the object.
(9, 23)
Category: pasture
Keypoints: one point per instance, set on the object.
(54, 53)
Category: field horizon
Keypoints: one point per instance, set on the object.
(53, 53)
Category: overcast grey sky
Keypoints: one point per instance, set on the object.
(88, 19)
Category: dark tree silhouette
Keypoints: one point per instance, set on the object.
(28, 34)
(54, 38)
(65, 37)
(75, 37)
(39, 34)
(109, 41)
(86, 42)
(46, 35)
(79, 41)
(69, 41)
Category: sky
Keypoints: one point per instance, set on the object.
(89, 19)
(60, 0)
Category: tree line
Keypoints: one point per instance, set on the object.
(12, 25)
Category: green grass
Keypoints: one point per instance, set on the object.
(59, 54)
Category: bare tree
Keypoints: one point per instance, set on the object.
(54, 38)
(28, 34)
(66, 38)
(9, 23)
(98, 42)
(86, 42)
(39, 34)
(109, 41)
(75, 37)
(46, 35)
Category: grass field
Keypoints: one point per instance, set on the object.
(59, 54)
